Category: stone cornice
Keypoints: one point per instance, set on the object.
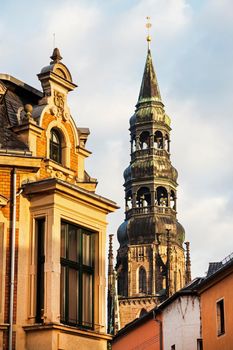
(67, 329)
(60, 186)
(19, 161)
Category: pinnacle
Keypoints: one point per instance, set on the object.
(56, 56)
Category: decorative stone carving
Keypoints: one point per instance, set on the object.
(28, 112)
(53, 110)
(59, 109)
(59, 101)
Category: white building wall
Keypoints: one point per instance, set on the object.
(181, 323)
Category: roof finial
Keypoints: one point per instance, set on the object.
(56, 56)
(148, 26)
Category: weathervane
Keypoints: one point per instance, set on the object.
(148, 26)
(54, 40)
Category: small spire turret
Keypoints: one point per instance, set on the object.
(111, 289)
(110, 256)
(168, 265)
(187, 264)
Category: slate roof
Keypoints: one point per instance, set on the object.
(213, 267)
(14, 95)
(8, 139)
(149, 88)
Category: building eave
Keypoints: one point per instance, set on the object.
(20, 160)
(60, 186)
(155, 311)
(20, 84)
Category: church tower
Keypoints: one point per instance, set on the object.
(150, 259)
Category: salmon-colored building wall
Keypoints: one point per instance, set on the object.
(221, 289)
(145, 336)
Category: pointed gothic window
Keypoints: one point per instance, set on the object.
(55, 146)
(142, 280)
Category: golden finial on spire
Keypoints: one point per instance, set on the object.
(148, 26)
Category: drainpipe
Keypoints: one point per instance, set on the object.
(160, 331)
(12, 283)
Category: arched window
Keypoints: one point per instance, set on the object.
(143, 197)
(167, 143)
(144, 140)
(142, 280)
(158, 139)
(161, 196)
(128, 200)
(55, 146)
(173, 200)
(133, 144)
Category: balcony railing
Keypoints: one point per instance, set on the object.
(153, 209)
(149, 152)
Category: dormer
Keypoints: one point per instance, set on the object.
(56, 82)
(65, 149)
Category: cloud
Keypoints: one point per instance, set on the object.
(103, 44)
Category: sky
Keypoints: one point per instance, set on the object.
(103, 43)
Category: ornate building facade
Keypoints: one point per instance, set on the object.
(151, 258)
(52, 222)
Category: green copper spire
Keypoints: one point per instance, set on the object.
(149, 91)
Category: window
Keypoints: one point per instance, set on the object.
(220, 317)
(142, 280)
(199, 344)
(77, 275)
(55, 146)
(40, 230)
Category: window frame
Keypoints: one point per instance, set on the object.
(220, 317)
(199, 344)
(40, 268)
(81, 269)
(55, 145)
(142, 280)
